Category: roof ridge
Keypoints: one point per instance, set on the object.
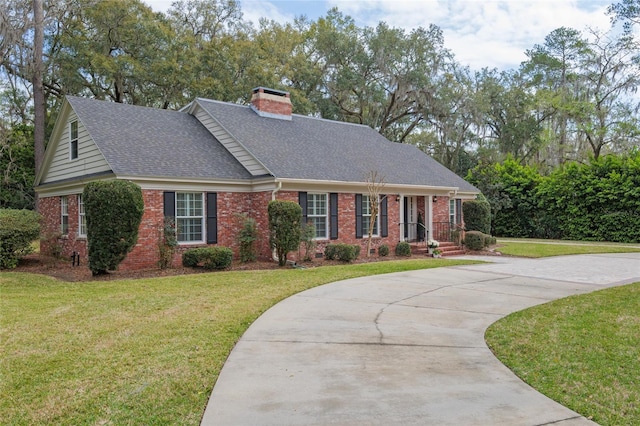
(293, 115)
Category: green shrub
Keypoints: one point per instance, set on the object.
(217, 257)
(403, 249)
(383, 250)
(167, 242)
(114, 211)
(330, 251)
(342, 252)
(284, 228)
(18, 229)
(247, 237)
(474, 240)
(477, 215)
(307, 241)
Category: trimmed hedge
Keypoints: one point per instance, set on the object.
(477, 215)
(217, 257)
(342, 252)
(598, 200)
(383, 250)
(18, 229)
(403, 249)
(114, 211)
(284, 228)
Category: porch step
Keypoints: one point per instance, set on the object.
(446, 248)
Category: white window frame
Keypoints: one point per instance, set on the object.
(82, 218)
(452, 211)
(64, 214)
(366, 217)
(314, 216)
(190, 215)
(73, 140)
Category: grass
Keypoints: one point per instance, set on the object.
(142, 351)
(581, 351)
(540, 248)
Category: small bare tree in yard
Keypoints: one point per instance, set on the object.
(375, 185)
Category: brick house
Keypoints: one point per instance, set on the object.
(211, 160)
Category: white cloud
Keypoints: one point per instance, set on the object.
(486, 33)
(481, 33)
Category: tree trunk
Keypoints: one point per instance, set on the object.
(38, 88)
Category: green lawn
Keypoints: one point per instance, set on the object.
(142, 351)
(541, 248)
(582, 351)
(149, 351)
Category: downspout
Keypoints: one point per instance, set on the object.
(274, 255)
(275, 191)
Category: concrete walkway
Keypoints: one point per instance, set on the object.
(403, 348)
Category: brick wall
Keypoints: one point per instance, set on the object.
(440, 210)
(145, 254)
(347, 224)
(52, 242)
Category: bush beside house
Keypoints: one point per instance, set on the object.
(18, 229)
(114, 211)
(284, 228)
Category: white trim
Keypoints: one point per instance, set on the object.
(366, 234)
(64, 212)
(307, 185)
(72, 139)
(202, 217)
(81, 214)
(326, 214)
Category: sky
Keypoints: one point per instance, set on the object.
(480, 33)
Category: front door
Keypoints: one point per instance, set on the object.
(410, 218)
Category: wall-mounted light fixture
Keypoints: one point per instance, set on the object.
(397, 198)
(435, 198)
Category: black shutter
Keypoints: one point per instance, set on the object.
(212, 218)
(458, 211)
(358, 215)
(302, 200)
(169, 204)
(333, 223)
(384, 217)
(405, 218)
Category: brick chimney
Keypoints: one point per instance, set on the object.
(271, 103)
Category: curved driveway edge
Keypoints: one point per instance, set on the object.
(402, 348)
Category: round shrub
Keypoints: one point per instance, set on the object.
(383, 250)
(403, 249)
(114, 211)
(489, 240)
(342, 252)
(18, 229)
(217, 257)
(474, 240)
(330, 251)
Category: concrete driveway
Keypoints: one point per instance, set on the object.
(403, 348)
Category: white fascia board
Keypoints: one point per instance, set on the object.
(68, 187)
(54, 140)
(358, 187)
(186, 184)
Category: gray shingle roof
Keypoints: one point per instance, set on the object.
(317, 149)
(141, 141)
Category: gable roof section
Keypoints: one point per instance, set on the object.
(150, 142)
(317, 149)
(222, 135)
